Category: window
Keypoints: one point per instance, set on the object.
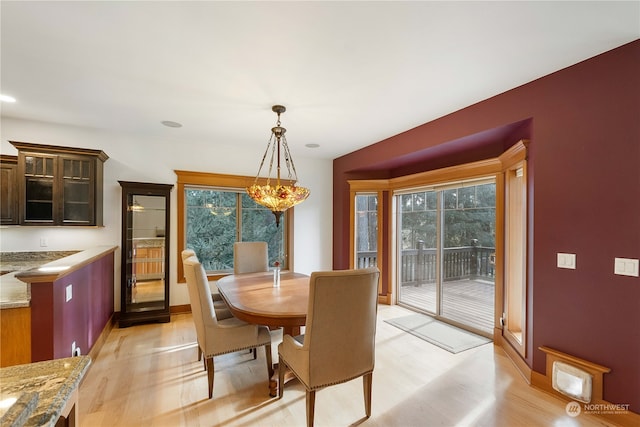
(214, 211)
(366, 226)
(216, 218)
(366, 242)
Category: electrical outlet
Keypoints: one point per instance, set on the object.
(44, 242)
(69, 293)
(73, 348)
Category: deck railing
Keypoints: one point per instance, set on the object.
(418, 265)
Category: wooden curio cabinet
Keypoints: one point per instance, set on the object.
(9, 189)
(144, 285)
(59, 185)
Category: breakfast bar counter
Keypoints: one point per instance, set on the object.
(54, 304)
(15, 293)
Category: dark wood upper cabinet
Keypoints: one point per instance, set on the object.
(59, 185)
(8, 189)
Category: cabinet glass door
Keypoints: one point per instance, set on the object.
(78, 191)
(39, 186)
(147, 247)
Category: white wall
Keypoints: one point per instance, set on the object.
(134, 159)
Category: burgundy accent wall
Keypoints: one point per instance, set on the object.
(584, 198)
(41, 316)
(56, 324)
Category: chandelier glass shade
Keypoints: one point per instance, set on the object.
(278, 195)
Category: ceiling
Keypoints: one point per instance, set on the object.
(349, 73)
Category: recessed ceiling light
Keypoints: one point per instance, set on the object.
(312, 145)
(171, 124)
(7, 98)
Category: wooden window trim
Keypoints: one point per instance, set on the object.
(511, 160)
(379, 238)
(205, 179)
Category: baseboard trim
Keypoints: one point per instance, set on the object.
(180, 309)
(384, 299)
(517, 361)
(102, 338)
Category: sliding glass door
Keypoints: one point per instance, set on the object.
(446, 252)
(417, 222)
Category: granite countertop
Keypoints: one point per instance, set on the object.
(13, 292)
(59, 268)
(24, 268)
(50, 383)
(20, 410)
(20, 261)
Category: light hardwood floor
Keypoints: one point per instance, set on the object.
(148, 375)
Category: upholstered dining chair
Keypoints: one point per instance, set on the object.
(220, 307)
(222, 311)
(339, 340)
(250, 257)
(215, 336)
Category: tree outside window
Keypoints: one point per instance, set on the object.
(215, 219)
(214, 212)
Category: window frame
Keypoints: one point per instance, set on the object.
(516, 232)
(380, 189)
(354, 237)
(186, 179)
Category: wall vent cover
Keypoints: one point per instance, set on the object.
(571, 381)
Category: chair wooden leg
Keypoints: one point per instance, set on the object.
(199, 353)
(255, 354)
(311, 405)
(267, 353)
(367, 380)
(210, 375)
(282, 367)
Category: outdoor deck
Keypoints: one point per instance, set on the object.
(466, 301)
(468, 290)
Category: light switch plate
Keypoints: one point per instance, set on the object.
(626, 267)
(567, 261)
(69, 293)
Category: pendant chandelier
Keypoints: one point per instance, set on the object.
(281, 195)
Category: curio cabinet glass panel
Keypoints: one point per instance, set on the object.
(145, 258)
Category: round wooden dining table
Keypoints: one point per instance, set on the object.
(254, 298)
